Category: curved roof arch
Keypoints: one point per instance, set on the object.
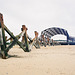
(54, 31)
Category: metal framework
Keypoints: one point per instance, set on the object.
(54, 31)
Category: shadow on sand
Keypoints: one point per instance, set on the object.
(11, 56)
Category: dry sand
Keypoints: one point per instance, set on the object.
(53, 60)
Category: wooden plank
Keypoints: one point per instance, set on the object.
(1, 37)
(19, 43)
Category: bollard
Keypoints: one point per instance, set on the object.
(48, 41)
(3, 46)
(43, 43)
(36, 44)
(25, 38)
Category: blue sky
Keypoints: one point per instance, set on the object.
(38, 15)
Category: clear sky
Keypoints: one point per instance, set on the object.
(38, 15)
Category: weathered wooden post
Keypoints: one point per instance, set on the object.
(36, 44)
(48, 41)
(25, 38)
(52, 42)
(1, 37)
(2, 26)
(43, 40)
(3, 46)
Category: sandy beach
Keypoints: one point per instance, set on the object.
(50, 60)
